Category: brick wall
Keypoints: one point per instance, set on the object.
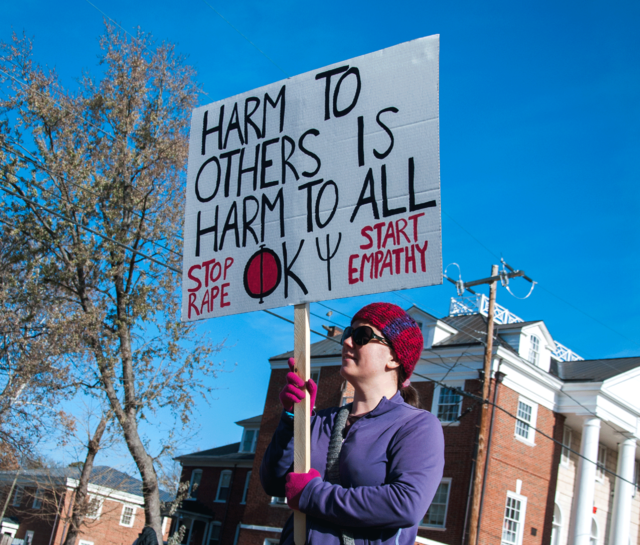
(228, 513)
(106, 530)
(536, 466)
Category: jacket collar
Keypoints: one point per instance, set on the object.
(387, 405)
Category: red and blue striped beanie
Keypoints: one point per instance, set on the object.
(399, 328)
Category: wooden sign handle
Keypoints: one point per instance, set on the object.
(301, 411)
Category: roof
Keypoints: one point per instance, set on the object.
(100, 476)
(472, 329)
(226, 453)
(326, 348)
(594, 370)
(253, 421)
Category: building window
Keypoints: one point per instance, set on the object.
(17, 496)
(449, 403)
(315, 375)
(534, 350)
(249, 440)
(278, 501)
(196, 477)
(602, 463)
(94, 507)
(526, 421)
(85, 542)
(246, 488)
(556, 525)
(28, 538)
(593, 539)
(566, 445)
(214, 533)
(224, 486)
(127, 516)
(513, 519)
(436, 516)
(37, 499)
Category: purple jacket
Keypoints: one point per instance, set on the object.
(390, 468)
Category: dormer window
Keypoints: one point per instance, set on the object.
(249, 440)
(534, 350)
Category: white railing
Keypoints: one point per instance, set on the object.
(565, 354)
(479, 304)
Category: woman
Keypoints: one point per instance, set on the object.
(377, 462)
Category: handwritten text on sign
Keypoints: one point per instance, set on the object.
(322, 186)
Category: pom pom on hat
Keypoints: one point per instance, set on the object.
(399, 328)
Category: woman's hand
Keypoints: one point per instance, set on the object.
(295, 485)
(294, 391)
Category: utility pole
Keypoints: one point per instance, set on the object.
(484, 415)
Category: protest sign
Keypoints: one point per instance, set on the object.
(317, 187)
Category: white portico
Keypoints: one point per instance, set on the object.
(602, 405)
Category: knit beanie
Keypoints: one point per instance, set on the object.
(399, 328)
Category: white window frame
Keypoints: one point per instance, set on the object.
(565, 454)
(592, 538)
(133, 516)
(211, 526)
(271, 541)
(315, 374)
(222, 474)
(28, 537)
(254, 441)
(18, 494)
(37, 499)
(191, 491)
(521, 520)
(435, 406)
(85, 542)
(602, 463)
(534, 349)
(556, 525)
(246, 488)
(530, 439)
(423, 524)
(98, 512)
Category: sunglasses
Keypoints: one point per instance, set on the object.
(362, 335)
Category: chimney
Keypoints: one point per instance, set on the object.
(332, 331)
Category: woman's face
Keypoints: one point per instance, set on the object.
(368, 362)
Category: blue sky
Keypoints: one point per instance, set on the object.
(539, 117)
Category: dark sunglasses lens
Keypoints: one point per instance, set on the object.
(346, 334)
(362, 335)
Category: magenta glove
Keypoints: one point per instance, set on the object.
(295, 485)
(293, 392)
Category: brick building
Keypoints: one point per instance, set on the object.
(38, 506)
(568, 427)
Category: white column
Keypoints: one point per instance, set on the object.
(623, 492)
(583, 494)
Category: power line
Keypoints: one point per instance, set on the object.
(85, 211)
(129, 33)
(545, 289)
(478, 399)
(64, 218)
(77, 114)
(241, 34)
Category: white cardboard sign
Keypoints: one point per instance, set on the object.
(320, 186)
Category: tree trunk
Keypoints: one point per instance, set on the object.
(79, 509)
(150, 488)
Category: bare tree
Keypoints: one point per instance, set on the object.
(36, 338)
(94, 178)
